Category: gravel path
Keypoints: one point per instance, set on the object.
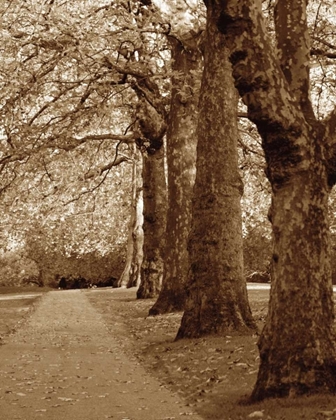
(63, 364)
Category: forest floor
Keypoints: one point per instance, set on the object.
(212, 376)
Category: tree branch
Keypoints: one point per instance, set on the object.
(322, 41)
(99, 171)
(67, 144)
(321, 53)
(291, 29)
(256, 69)
(264, 88)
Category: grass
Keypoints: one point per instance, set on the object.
(214, 375)
(14, 311)
(24, 289)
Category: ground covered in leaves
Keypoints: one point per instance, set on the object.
(13, 312)
(214, 376)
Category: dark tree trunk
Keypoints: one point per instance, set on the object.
(155, 205)
(217, 297)
(181, 164)
(151, 129)
(297, 345)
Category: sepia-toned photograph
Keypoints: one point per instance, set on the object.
(168, 217)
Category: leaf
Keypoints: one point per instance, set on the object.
(65, 399)
(256, 415)
(327, 414)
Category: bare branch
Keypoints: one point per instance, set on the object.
(67, 144)
(126, 139)
(322, 41)
(99, 171)
(321, 53)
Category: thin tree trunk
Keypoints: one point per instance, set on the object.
(125, 277)
(138, 239)
(217, 297)
(181, 164)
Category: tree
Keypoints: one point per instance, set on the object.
(152, 128)
(131, 275)
(75, 82)
(181, 160)
(297, 345)
(64, 222)
(217, 298)
(142, 67)
(255, 201)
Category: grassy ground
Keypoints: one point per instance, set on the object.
(14, 311)
(214, 375)
(25, 289)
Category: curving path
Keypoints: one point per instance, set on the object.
(63, 364)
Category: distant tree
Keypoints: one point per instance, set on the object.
(143, 69)
(255, 201)
(152, 128)
(73, 83)
(181, 160)
(131, 275)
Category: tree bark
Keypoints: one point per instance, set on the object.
(297, 350)
(181, 166)
(151, 129)
(217, 298)
(126, 276)
(138, 239)
(155, 205)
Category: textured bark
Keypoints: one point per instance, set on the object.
(132, 277)
(151, 128)
(181, 165)
(125, 277)
(297, 349)
(217, 298)
(294, 49)
(155, 207)
(138, 239)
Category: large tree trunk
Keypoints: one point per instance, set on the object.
(155, 208)
(217, 298)
(181, 164)
(297, 345)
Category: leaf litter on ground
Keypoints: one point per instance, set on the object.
(215, 375)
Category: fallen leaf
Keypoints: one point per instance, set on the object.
(256, 415)
(65, 399)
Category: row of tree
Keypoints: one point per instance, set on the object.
(95, 83)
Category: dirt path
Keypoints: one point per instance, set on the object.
(63, 364)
